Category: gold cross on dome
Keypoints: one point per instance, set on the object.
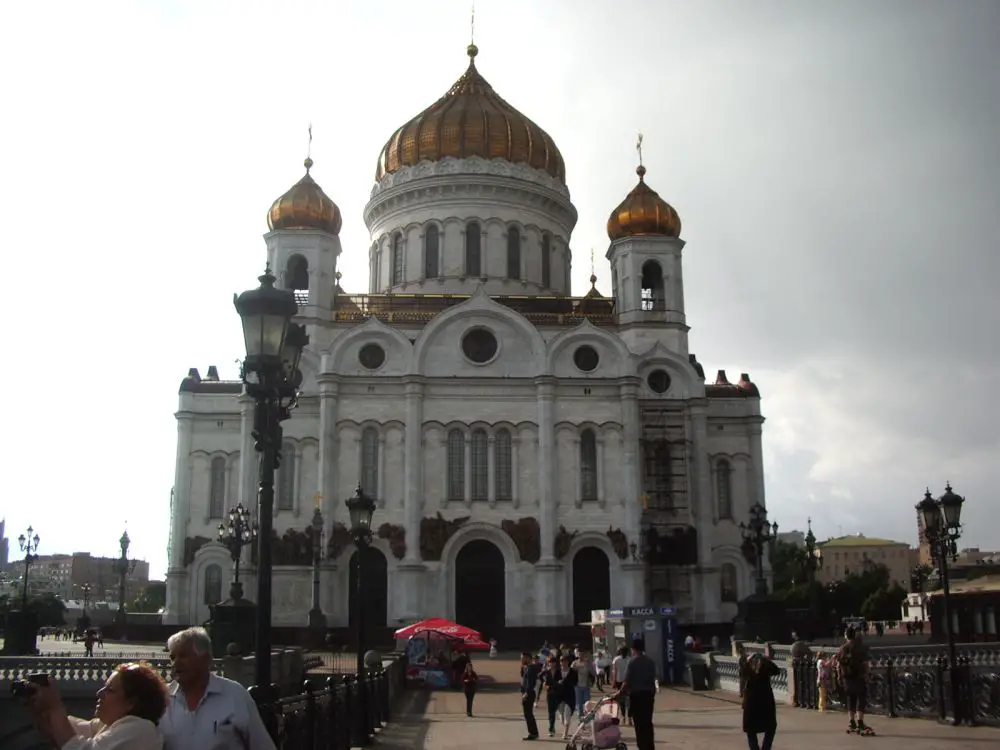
(472, 25)
(317, 499)
(638, 147)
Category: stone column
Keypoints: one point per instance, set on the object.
(408, 583)
(757, 461)
(176, 610)
(467, 468)
(600, 471)
(249, 458)
(491, 471)
(577, 474)
(633, 574)
(297, 483)
(701, 502)
(380, 471)
(329, 445)
(548, 570)
(515, 479)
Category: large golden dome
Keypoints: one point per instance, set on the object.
(305, 206)
(471, 120)
(643, 213)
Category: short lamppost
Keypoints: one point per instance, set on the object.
(232, 620)
(760, 615)
(85, 589)
(942, 528)
(21, 629)
(361, 508)
(270, 374)
(758, 533)
(317, 620)
(123, 568)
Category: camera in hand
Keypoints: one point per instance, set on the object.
(24, 688)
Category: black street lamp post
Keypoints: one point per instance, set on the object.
(942, 528)
(361, 508)
(759, 533)
(317, 620)
(270, 374)
(29, 546)
(85, 589)
(236, 535)
(124, 568)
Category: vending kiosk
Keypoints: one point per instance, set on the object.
(658, 629)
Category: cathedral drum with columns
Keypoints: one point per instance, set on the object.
(534, 455)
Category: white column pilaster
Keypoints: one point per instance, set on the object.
(600, 471)
(329, 449)
(467, 466)
(631, 477)
(413, 460)
(249, 458)
(577, 474)
(176, 609)
(515, 477)
(491, 471)
(547, 488)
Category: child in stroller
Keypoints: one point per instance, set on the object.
(600, 727)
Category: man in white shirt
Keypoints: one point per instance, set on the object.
(205, 711)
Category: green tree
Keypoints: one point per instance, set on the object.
(49, 609)
(152, 599)
(790, 565)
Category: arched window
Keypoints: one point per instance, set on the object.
(217, 488)
(297, 273)
(456, 465)
(546, 261)
(588, 465)
(432, 241)
(513, 253)
(729, 591)
(503, 466)
(652, 286)
(480, 465)
(213, 584)
(397, 259)
(473, 254)
(369, 462)
(724, 488)
(286, 478)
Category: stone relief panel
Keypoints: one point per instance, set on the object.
(191, 546)
(527, 537)
(434, 533)
(396, 536)
(619, 542)
(563, 541)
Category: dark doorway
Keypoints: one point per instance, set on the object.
(591, 583)
(375, 596)
(480, 588)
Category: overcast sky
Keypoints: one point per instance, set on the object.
(835, 164)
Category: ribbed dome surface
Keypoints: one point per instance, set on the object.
(305, 206)
(471, 120)
(643, 213)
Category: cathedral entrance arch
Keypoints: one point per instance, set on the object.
(480, 587)
(591, 583)
(375, 593)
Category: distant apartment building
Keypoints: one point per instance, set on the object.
(66, 575)
(845, 555)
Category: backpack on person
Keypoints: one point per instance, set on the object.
(851, 666)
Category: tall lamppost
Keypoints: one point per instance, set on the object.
(942, 528)
(29, 546)
(123, 568)
(235, 535)
(85, 589)
(317, 620)
(270, 374)
(360, 508)
(759, 533)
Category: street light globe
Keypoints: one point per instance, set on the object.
(951, 508)
(930, 514)
(266, 313)
(360, 508)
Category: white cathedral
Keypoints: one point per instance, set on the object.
(534, 455)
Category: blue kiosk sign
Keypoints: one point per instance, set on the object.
(657, 627)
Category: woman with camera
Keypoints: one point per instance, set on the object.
(128, 708)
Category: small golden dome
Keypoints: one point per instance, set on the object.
(471, 120)
(643, 213)
(305, 206)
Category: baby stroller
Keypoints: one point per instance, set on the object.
(600, 727)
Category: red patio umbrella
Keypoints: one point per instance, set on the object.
(471, 638)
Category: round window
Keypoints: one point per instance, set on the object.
(658, 381)
(371, 356)
(586, 358)
(479, 345)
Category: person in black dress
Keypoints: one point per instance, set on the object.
(760, 715)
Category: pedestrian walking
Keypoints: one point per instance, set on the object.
(760, 714)
(469, 684)
(530, 672)
(640, 687)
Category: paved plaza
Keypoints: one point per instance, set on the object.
(710, 721)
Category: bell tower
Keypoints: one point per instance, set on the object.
(303, 243)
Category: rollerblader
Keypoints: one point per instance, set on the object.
(853, 661)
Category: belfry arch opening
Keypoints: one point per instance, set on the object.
(297, 274)
(653, 297)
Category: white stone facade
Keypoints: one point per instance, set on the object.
(524, 434)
